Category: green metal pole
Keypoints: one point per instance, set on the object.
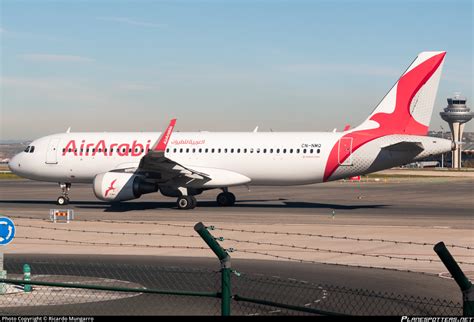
(224, 258)
(226, 290)
(27, 277)
(464, 284)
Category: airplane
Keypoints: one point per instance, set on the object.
(124, 166)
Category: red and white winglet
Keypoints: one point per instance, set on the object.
(165, 137)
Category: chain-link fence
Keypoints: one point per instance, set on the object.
(275, 296)
(119, 289)
(73, 287)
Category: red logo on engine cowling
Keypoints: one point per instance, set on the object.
(110, 188)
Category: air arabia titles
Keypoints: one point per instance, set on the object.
(188, 141)
(92, 149)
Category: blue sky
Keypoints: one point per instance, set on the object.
(218, 65)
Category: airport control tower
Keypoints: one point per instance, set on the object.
(457, 114)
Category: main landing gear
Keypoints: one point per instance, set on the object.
(186, 202)
(225, 198)
(64, 198)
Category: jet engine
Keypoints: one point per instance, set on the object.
(121, 186)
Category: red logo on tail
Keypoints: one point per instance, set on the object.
(400, 121)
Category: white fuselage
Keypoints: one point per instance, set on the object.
(266, 158)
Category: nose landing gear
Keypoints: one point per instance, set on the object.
(64, 198)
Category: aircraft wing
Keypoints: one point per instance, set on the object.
(157, 166)
(404, 146)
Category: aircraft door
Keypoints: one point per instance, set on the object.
(52, 152)
(345, 151)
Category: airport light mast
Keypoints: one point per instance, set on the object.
(457, 114)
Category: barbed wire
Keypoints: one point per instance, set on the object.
(338, 237)
(340, 251)
(110, 244)
(326, 263)
(110, 221)
(107, 232)
(358, 239)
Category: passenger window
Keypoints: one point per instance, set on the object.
(181, 150)
(258, 150)
(238, 150)
(225, 150)
(291, 150)
(271, 150)
(207, 150)
(231, 150)
(64, 150)
(200, 150)
(212, 150)
(167, 150)
(311, 151)
(245, 150)
(318, 150)
(218, 150)
(264, 150)
(278, 150)
(174, 150)
(304, 150)
(70, 150)
(284, 150)
(297, 150)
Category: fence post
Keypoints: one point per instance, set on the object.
(27, 277)
(464, 284)
(225, 266)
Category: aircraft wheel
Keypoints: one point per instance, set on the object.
(186, 202)
(62, 201)
(225, 199)
(194, 202)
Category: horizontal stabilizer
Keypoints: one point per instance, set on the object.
(404, 146)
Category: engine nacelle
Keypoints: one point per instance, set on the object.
(121, 186)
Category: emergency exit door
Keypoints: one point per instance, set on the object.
(345, 151)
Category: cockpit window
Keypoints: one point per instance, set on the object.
(30, 149)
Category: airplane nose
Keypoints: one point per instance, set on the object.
(14, 164)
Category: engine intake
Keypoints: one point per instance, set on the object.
(121, 186)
